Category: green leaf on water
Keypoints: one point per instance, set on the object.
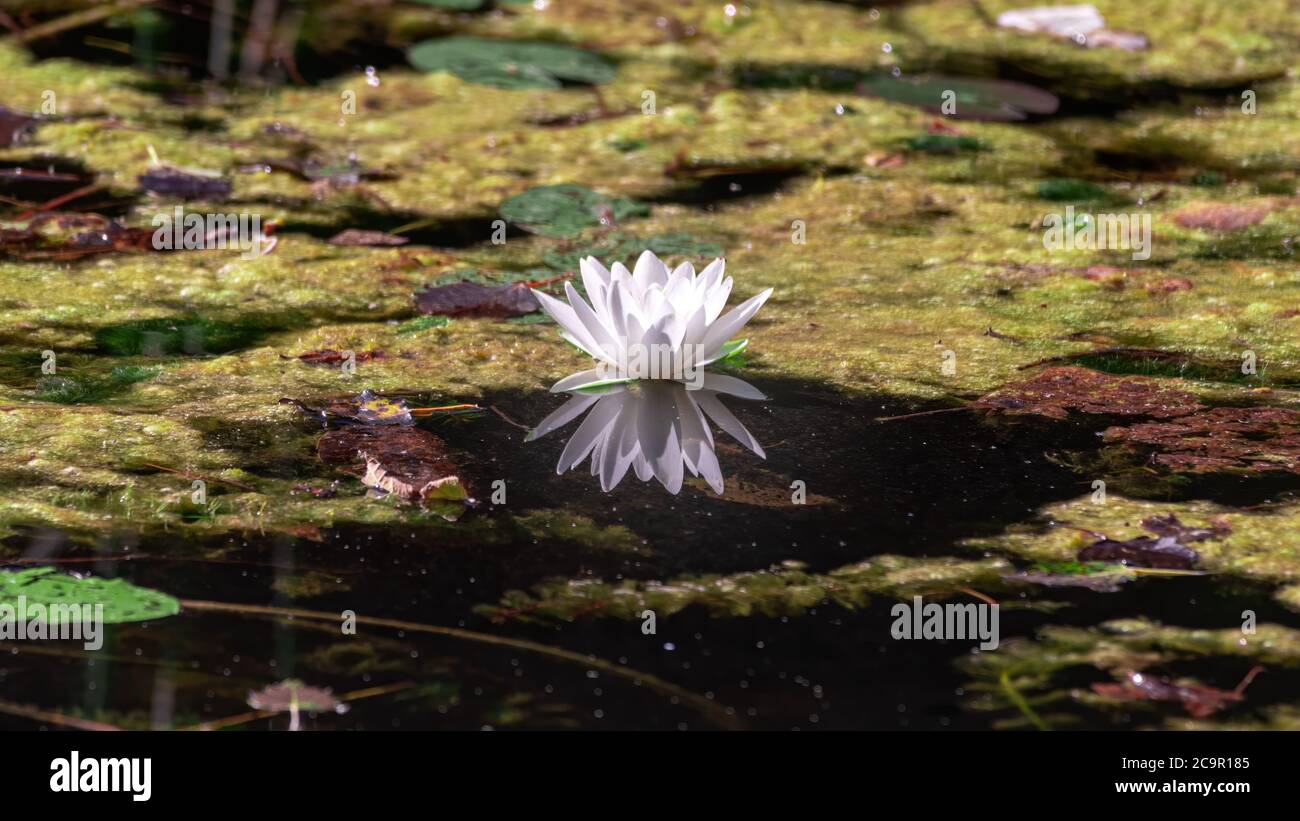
(567, 210)
(625, 248)
(944, 144)
(45, 586)
(511, 64)
(1066, 190)
(422, 323)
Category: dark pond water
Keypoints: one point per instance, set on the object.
(913, 487)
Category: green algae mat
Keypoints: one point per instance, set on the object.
(295, 339)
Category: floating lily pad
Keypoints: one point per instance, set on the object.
(121, 600)
(567, 210)
(511, 64)
(620, 247)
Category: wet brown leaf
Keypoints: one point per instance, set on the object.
(1055, 392)
(329, 356)
(467, 298)
(1199, 700)
(15, 126)
(367, 408)
(359, 236)
(412, 464)
(1257, 440)
(173, 182)
(1217, 216)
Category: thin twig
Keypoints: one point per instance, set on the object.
(189, 475)
(508, 420)
(709, 708)
(37, 714)
(920, 413)
(78, 19)
(60, 200)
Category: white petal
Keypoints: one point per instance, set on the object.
(721, 383)
(574, 381)
(562, 415)
(718, 413)
(722, 330)
(716, 299)
(650, 270)
(569, 321)
(589, 433)
(597, 329)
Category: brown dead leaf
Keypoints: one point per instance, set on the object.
(329, 356)
(359, 236)
(467, 298)
(1255, 440)
(1055, 392)
(1218, 216)
(410, 463)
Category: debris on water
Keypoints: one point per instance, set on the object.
(68, 236)
(1058, 391)
(358, 236)
(1220, 217)
(15, 127)
(411, 464)
(1166, 551)
(1100, 577)
(1199, 700)
(467, 298)
(329, 356)
(1082, 25)
(367, 408)
(188, 185)
(1251, 439)
(292, 696)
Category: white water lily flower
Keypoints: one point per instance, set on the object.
(676, 313)
(657, 428)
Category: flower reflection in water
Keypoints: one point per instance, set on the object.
(656, 428)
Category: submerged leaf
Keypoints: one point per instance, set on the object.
(1055, 392)
(15, 126)
(368, 408)
(329, 356)
(472, 299)
(1254, 440)
(174, 182)
(567, 210)
(1220, 217)
(359, 236)
(1198, 700)
(409, 463)
(511, 64)
(292, 694)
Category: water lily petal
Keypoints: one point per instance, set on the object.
(649, 271)
(722, 330)
(563, 415)
(589, 433)
(568, 320)
(721, 383)
(718, 413)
